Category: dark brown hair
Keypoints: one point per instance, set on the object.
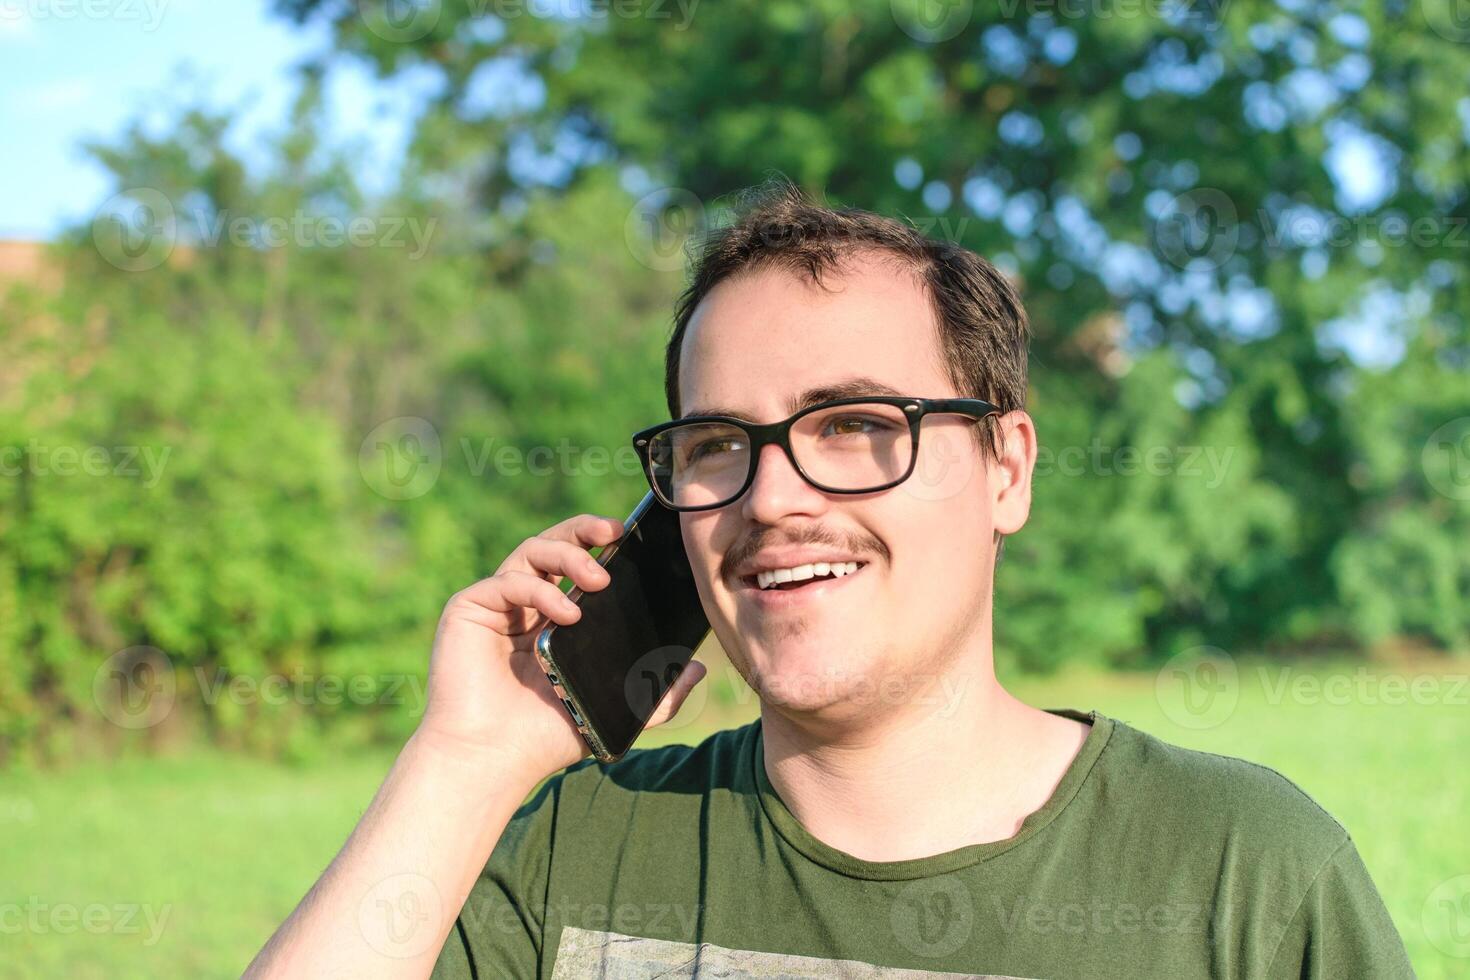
(982, 325)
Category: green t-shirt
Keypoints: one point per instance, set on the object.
(1148, 861)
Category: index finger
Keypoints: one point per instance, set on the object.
(583, 530)
(587, 530)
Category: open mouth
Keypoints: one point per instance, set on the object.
(802, 576)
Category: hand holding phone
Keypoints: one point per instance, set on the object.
(492, 729)
(487, 696)
(614, 667)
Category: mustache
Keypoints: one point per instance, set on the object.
(807, 534)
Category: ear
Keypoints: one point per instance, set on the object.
(1010, 473)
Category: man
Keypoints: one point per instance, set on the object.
(894, 812)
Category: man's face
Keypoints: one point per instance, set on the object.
(840, 647)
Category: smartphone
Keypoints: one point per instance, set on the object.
(612, 667)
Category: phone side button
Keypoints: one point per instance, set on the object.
(571, 710)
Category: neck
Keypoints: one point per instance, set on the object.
(965, 764)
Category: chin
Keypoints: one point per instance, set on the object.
(803, 679)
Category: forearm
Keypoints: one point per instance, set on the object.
(390, 897)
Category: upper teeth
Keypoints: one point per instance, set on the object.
(800, 572)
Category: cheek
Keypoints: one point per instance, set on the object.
(947, 468)
(704, 556)
(941, 550)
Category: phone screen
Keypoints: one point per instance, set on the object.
(635, 635)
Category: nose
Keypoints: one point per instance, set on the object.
(778, 490)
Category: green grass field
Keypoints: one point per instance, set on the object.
(183, 866)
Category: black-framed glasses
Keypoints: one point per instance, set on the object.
(848, 445)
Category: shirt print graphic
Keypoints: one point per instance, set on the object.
(612, 956)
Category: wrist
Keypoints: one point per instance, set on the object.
(478, 768)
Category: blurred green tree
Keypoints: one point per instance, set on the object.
(242, 375)
(1201, 199)
(1241, 230)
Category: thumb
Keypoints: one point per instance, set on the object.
(692, 674)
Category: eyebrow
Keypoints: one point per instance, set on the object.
(847, 388)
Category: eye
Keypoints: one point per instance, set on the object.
(712, 448)
(855, 425)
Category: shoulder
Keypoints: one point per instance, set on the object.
(1249, 845)
(720, 761)
(1216, 801)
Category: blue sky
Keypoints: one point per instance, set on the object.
(77, 69)
(71, 70)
